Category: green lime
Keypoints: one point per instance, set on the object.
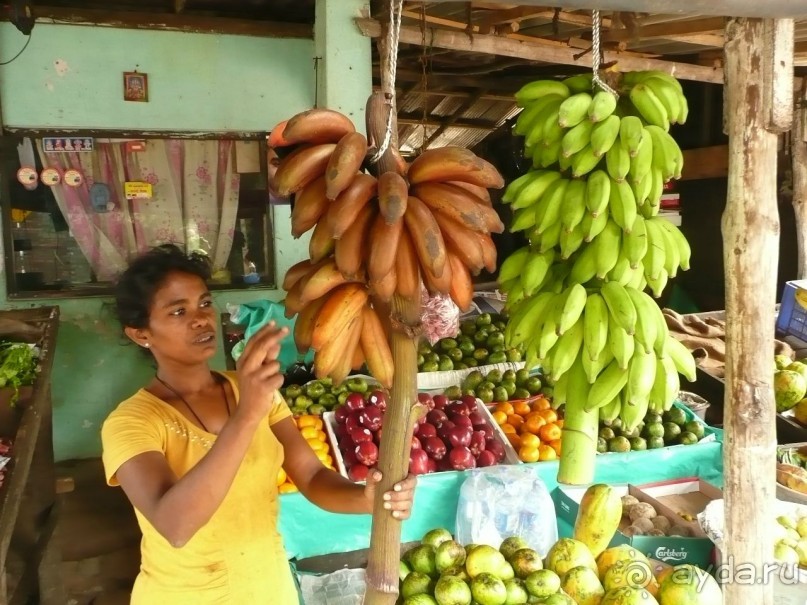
(653, 429)
(616, 424)
(671, 432)
(316, 409)
(430, 366)
(696, 428)
(500, 394)
(328, 400)
(607, 433)
(458, 365)
(676, 415)
(494, 376)
(522, 376)
(688, 438)
(602, 445)
(495, 338)
(446, 364)
(653, 418)
(292, 392)
(342, 397)
(467, 346)
(302, 401)
(509, 386)
(521, 393)
(637, 444)
(315, 389)
(446, 344)
(481, 337)
(473, 380)
(630, 434)
(455, 354)
(481, 354)
(454, 392)
(486, 395)
(468, 328)
(469, 392)
(432, 357)
(484, 319)
(470, 362)
(424, 347)
(500, 325)
(654, 443)
(619, 444)
(534, 385)
(498, 349)
(421, 360)
(486, 384)
(497, 357)
(509, 376)
(514, 355)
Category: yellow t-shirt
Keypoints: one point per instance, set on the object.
(238, 557)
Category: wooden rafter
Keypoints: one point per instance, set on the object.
(666, 30)
(507, 47)
(415, 119)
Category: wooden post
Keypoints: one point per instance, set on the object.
(403, 408)
(798, 141)
(750, 251)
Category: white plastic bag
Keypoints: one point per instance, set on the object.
(502, 501)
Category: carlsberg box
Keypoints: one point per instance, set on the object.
(695, 549)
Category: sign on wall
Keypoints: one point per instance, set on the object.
(62, 144)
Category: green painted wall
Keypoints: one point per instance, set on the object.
(71, 77)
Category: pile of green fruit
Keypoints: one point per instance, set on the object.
(673, 427)
(497, 386)
(320, 396)
(789, 384)
(480, 342)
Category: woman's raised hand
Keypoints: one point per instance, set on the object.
(259, 375)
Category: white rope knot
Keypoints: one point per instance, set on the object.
(393, 35)
(596, 55)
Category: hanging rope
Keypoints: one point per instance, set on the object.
(393, 34)
(596, 56)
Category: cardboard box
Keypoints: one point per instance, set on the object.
(673, 550)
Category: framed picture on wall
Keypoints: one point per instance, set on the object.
(135, 86)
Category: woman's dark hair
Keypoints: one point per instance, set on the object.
(134, 292)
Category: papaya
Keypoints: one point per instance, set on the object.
(689, 585)
(630, 596)
(616, 554)
(598, 517)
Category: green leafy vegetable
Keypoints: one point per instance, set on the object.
(18, 366)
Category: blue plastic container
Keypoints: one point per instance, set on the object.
(792, 317)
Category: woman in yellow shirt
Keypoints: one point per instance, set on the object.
(198, 452)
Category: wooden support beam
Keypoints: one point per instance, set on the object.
(507, 47)
(798, 142)
(665, 30)
(778, 72)
(750, 254)
(512, 15)
(168, 21)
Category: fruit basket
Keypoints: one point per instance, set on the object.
(360, 427)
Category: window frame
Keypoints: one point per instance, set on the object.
(9, 139)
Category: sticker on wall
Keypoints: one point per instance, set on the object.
(73, 178)
(50, 177)
(62, 144)
(100, 198)
(135, 146)
(27, 176)
(138, 190)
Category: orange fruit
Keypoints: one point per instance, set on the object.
(500, 417)
(541, 404)
(522, 408)
(287, 488)
(549, 415)
(555, 445)
(559, 422)
(311, 432)
(528, 454)
(515, 420)
(309, 420)
(534, 424)
(530, 440)
(281, 477)
(325, 458)
(514, 440)
(508, 429)
(550, 432)
(317, 445)
(505, 407)
(547, 452)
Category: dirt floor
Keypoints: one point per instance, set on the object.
(99, 535)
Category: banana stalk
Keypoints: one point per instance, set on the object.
(579, 437)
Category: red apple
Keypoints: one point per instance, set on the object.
(416, 445)
(442, 430)
(459, 436)
(477, 444)
(461, 458)
(340, 414)
(358, 472)
(371, 417)
(367, 453)
(435, 448)
(348, 457)
(436, 417)
(487, 429)
(440, 401)
(469, 401)
(485, 458)
(341, 431)
(460, 420)
(426, 430)
(426, 399)
(378, 399)
(353, 420)
(361, 435)
(431, 465)
(456, 408)
(444, 465)
(495, 446)
(477, 418)
(354, 401)
(418, 462)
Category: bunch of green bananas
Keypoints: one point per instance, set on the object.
(576, 293)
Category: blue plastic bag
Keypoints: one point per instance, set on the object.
(257, 314)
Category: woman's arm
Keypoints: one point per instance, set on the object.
(330, 490)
